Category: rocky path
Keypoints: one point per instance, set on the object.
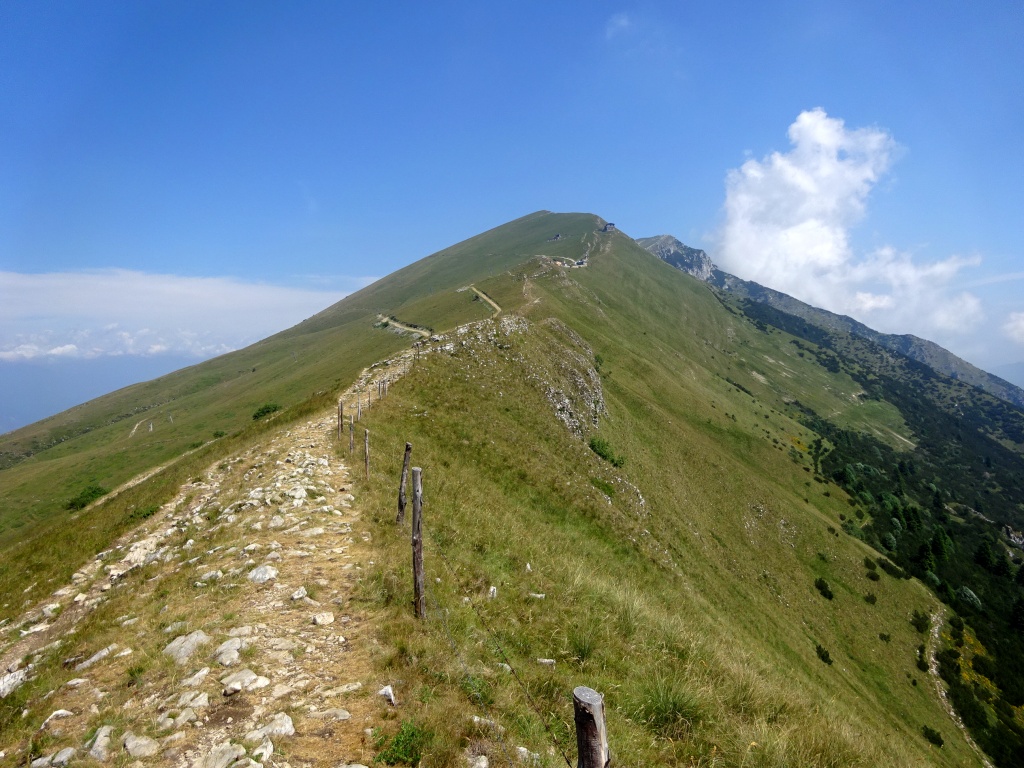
(221, 632)
(938, 619)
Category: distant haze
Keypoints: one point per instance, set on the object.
(37, 389)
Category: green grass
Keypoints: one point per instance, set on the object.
(692, 612)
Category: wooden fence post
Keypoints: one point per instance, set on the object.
(591, 734)
(359, 405)
(419, 598)
(351, 434)
(341, 419)
(401, 486)
(366, 451)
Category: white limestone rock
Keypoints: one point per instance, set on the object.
(139, 746)
(227, 653)
(182, 647)
(262, 574)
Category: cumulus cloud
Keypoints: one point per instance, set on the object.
(124, 312)
(1014, 327)
(788, 219)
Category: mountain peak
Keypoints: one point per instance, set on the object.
(669, 249)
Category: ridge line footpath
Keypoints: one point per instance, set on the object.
(222, 631)
(488, 299)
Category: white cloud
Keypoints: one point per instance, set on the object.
(788, 219)
(124, 312)
(1014, 327)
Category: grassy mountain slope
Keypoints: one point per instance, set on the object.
(635, 440)
(696, 262)
(108, 440)
(682, 583)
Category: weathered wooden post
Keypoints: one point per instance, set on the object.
(341, 420)
(359, 405)
(366, 451)
(591, 735)
(401, 486)
(419, 601)
(351, 434)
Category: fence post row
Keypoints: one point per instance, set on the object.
(366, 451)
(418, 581)
(591, 734)
(400, 518)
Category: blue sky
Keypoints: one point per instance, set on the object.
(179, 179)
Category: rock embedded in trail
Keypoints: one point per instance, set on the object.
(196, 679)
(227, 653)
(262, 574)
(279, 725)
(243, 680)
(99, 749)
(139, 746)
(98, 656)
(221, 756)
(181, 648)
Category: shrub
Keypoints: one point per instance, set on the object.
(968, 596)
(138, 515)
(870, 598)
(922, 662)
(932, 735)
(406, 746)
(920, 621)
(870, 564)
(893, 570)
(823, 654)
(265, 410)
(852, 529)
(219, 434)
(884, 637)
(601, 447)
(873, 575)
(824, 588)
(88, 495)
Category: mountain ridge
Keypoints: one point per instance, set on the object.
(698, 264)
(704, 508)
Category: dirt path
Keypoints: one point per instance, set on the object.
(488, 299)
(402, 327)
(257, 565)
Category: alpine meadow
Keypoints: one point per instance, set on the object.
(765, 537)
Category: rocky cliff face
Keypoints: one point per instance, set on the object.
(696, 263)
(693, 261)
